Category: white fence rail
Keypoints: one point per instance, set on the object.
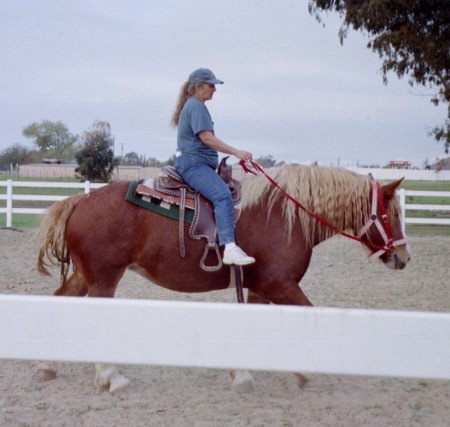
(323, 340)
(424, 207)
(219, 335)
(10, 197)
(87, 186)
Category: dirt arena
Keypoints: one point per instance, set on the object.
(340, 276)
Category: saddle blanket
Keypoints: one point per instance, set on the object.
(157, 205)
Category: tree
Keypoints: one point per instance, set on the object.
(51, 137)
(266, 161)
(170, 161)
(16, 154)
(131, 159)
(95, 158)
(412, 37)
(153, 162)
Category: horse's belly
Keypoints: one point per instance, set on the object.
(193, 281)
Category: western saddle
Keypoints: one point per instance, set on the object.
(170, 188)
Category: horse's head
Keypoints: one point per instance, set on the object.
(383, 231)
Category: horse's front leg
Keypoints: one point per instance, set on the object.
(241, 379)
(290, 295)
(107, 377)
(287, 294)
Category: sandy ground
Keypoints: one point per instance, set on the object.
(339, 276)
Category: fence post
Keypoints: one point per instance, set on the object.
(9, 202)
(87, 187)
(402, 199)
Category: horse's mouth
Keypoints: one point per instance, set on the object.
(396, 262)
(398, 265)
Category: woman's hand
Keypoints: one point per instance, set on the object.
(243, 155)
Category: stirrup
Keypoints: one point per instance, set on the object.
(210, 268)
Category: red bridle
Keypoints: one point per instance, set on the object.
(377, 199)
(383, 227)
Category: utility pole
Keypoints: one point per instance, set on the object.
(121, 158)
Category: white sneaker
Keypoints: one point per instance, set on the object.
(233, 254)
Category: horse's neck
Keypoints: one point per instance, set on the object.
(350, 212)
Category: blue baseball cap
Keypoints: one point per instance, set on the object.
(203, 75)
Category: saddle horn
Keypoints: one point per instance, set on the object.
(224, 170)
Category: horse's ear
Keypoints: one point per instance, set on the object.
(371, 178)
(389, 189)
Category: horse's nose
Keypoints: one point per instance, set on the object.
(399, 264)
(410, 254)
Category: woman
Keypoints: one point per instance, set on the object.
(197, 157)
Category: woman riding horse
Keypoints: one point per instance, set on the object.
(197, 158)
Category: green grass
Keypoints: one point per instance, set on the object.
(426, 185)
(31, 220)
(22, 221)
(427, 230)
(4, 177)
(42, 191)
(422, 230)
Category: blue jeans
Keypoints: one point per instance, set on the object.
(202, 177)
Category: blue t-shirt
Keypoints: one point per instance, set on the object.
(194, 118)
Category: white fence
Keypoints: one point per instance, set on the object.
(408, 174)
(424, 207)
(10, 197)
(218, 335)
(87, 186)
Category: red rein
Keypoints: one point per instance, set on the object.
(375, 187)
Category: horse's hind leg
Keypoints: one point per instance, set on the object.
(75, 285)
(292, 295)
(47, 371)
(107, 376)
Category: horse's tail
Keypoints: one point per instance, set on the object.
(54, 251)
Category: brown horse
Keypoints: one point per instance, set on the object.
(102, 235)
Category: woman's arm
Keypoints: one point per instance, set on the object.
(208, 138)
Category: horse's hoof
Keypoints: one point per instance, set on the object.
(242, 381)
(46, 371)
(46, 375)
(103, 376)
(301, 380)
(108, 378)
(118, 383)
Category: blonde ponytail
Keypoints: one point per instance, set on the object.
(187, 90)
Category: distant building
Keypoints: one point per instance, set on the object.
(398, 164)
(53, 161)
(441, 165)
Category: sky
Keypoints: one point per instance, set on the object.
(291, 89)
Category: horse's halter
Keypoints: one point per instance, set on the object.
(383, 227)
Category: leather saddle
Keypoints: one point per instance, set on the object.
(169, 187)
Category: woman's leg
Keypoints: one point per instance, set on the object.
(205, 180)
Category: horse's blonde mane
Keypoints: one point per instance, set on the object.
(337, 195)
